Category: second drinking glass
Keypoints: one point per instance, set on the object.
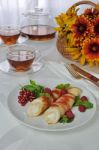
(9, 34)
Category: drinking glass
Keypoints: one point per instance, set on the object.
(22, 57)
(9, 34)
(38, 25)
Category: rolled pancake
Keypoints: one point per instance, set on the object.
(58, 108)
(38, 106)
(56, 93)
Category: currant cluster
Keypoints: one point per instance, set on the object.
(81, 107)
(25, 96)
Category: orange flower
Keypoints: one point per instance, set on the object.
(91, 13)
(96, 27)
(88, 12)
(81, 33)
(81, 28)
(96, 12)
(90, 49)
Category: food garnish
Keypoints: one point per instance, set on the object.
(79, 102)
(63, 86)
(56, 104)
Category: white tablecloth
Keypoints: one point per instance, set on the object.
(15, 136)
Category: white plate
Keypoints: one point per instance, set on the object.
(19, 112)
(5, 67)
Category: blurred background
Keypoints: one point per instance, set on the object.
(11, 12)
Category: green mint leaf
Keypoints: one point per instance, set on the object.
(87, 104)
(77, 101)
(37, 89)
(65, 119)
(63, 86)
(41, 88)
(32, 82)
(28, 87)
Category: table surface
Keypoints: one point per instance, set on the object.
(15, 136)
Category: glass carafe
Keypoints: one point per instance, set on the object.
(38, 25)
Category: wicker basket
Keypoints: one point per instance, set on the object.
(61, 42)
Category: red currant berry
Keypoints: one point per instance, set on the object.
(19, 101)
(31, 99)
(48, 90)
(82, 108)
(63, 91)
(69, 114)
(84, 98)
(25, 96)
(23, 103)
(21, 93)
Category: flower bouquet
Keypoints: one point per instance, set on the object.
(78, 35)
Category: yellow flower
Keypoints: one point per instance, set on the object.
(60, 20)
(71, 16)
(82, 60)
(76, 56)
(97, 63)
(73, 49)
(72, 12)
(70, 40)
(91, 63)
(75, 53)
(65, 20)
(80, 34)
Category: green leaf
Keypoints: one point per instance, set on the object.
(36, 88)
(63, 86)
(32, 82)
(65, 119)
(28, 87)
(41, 88)
(87, 104)
(79, 102)
(77, 99)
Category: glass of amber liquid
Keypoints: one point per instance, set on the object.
(9, 34)
(38, 25)
(21, 57)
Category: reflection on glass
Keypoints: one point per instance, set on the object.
(9, 34)
(39, 32)
(38, 25)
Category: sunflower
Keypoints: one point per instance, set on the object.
(80, 33)
(90, 50)
(89, 13)
(96, 27)
(81, 28)
(65, 21)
